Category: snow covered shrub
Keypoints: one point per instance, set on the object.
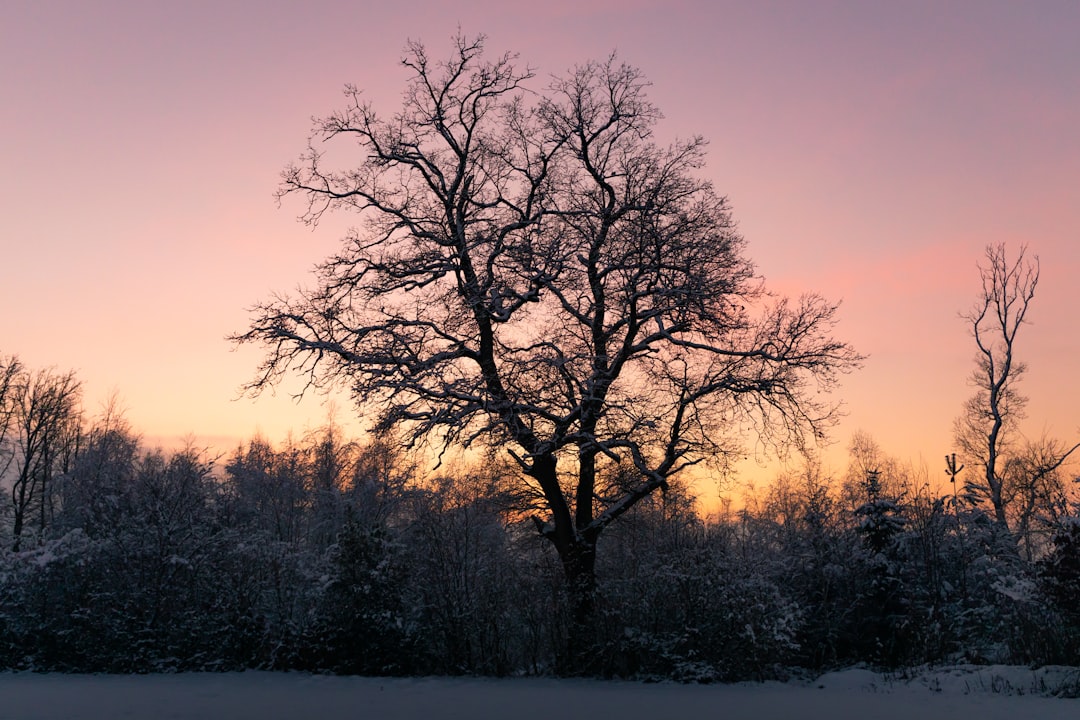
(882, 608)
(46, 600)
(693, 608)
(701, 622)
(362, 625)
(1005, 615)
(1059, 572)
(468, 577)
(1059, 579)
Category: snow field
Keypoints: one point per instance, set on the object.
(988, 693)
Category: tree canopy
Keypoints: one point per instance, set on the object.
(534, 270)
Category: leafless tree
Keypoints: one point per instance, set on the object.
(10, 372)
(866, 457)
(535, 272)
(102, 473)
(987, 430)
(1036, 493)
(46, 421)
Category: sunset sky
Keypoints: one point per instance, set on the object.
(870, 150)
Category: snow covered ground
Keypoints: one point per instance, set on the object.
(987, 693)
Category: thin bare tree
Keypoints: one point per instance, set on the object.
(987, 431)
(10, 372)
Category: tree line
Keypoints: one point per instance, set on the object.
(332, 555)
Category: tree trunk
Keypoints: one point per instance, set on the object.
(579, 567)
(16, 532)
(577, 553)
(993, 482)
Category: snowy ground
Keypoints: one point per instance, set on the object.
(987, 693)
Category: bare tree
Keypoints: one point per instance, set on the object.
(988, 427)
(269, 489)
(102, 472)
(10, 372)
(535, 272)
(866, 457)
(1036, 492)
(46, 422)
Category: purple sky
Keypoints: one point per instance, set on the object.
(871, 150)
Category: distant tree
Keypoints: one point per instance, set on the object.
(1036, 492)
(46, 420)
(987, 429)
(864, 456)
(268, 490)
(101, 473)
(10, 373)
(879, 519)
(330, 461)
(535, 272)
(380, 481)
(10, 368)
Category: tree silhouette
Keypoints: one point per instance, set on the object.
(987, 430)
(534, 271)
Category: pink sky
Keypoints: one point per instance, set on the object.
(871, 151)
